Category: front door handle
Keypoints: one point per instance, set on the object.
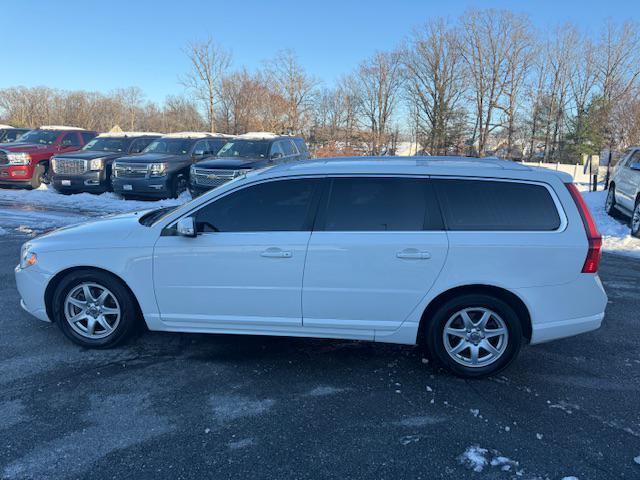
(276, 253)
(413, 254)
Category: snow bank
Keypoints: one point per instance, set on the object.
(106, 203)
(616, 235)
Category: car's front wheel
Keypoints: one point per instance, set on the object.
(94, 309)
(474, 335)
(635, 220)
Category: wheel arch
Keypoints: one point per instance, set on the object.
(503, 294)
(57, 278)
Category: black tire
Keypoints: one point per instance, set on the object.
(610, 203)
(634, 222)
(178, 185)
(435, 343)
(38, 174)
(128, 324)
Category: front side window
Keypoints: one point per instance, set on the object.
(278, 206)
(288, 147)
(379, 204)
(482, 205)
(70, 140)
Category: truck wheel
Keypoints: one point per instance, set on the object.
(36, 179)
(178, 185)
(635, 220)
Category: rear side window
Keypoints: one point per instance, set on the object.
(276, 206)
(139, 144)
(288, 148)
(87, 136)
(499, 206)
(302, 147)
(378, 204)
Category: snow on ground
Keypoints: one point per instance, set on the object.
(616, 235)
(43, 209)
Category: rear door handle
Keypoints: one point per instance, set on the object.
(276, 253)
(413, 254)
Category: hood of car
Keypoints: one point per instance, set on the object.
(152, 157)
(231, 163)
(100, 233)
(90, 155)
(26, 147)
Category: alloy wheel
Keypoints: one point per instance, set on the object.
(475, 337)
(635, 220)
(92, 310)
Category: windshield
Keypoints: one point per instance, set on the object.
(42, 137)
(245, 148)
(169, 146)
(105, 144)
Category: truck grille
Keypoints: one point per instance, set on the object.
(3, 158)
(213, 178)
(70, 166)
(130, 170)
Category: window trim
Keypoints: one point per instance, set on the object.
(554, 197)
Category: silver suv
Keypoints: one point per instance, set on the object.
(624, 190)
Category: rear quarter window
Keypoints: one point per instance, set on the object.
(482, 205)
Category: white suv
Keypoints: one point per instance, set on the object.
(624, 190)
(471, 258)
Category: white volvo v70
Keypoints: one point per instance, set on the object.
(471, 258)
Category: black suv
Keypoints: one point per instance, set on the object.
(245, 152)
(163, 168)
(10, 134)
(89, 169)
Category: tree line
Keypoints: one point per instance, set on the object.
(487, 83)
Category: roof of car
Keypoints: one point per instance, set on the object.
(130, 134)
(194, 135)
(59, 127)
(459, 166)
(5, 126)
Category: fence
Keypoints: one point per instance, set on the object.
(577, 171)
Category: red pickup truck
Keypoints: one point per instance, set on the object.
(26, 162)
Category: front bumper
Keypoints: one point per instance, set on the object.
(32, 283)
(148, 187)
(197, 190)
(17, 175)
(92, 181)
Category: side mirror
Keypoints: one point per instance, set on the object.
(276, 155)
(635, 166)
(186, 227)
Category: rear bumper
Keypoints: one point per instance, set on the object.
(562, 311)
(32, 284)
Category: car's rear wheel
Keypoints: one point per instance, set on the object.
(474, 335)
(94, 309)
(635, 220)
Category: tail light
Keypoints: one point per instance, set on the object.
(592, 262)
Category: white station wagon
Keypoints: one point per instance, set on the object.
(471, 258)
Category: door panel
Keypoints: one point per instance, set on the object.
(370, 280)
(240, 279)
(626, 186)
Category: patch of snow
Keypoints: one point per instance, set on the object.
(128, 134)
(539, 436)
(637, 459)
(323, 391)
(188, 135)
(3, 231)
(421, 421)
(227, 408)
(257, 135)
(59, 127)
(474, 458)
(616, 236)
(5, 126)
(475, 412)
(239, 444)
(406, 440)
(570, 478)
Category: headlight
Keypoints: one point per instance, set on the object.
(54, 165)
(96, 164)
(18, 158)
(27, 256)
(158, 169)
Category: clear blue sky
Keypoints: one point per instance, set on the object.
(103, 45)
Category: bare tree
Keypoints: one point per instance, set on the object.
(131, 99)
(434, 81)
(377, 84)
(295, 86)
(209, 61)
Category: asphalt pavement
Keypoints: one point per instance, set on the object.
(184, 406)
